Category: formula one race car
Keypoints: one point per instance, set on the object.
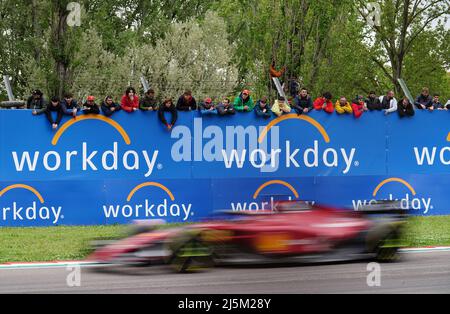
(294, 232)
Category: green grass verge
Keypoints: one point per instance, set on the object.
(428, 231)
(51, 244)
(72, 243)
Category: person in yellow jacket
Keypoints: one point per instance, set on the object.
(281, 107)
(342, 106)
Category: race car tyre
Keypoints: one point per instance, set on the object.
(387, 250)
(190, 254)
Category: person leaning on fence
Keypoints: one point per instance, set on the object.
(169, 107)
(225, 108)
(324, 103)
(130, 101)
(302, 103)
(262, 108)
(424, 100)
(244, 102)
(359, 106)
(53, 106)
(149, 101)
(437, 105)
(373, 102)
(186, 102)
(342, 106)
(405, 108)
(90, 107)
(207, 107)
(36, 101)
(280, 106)
(69, 105)
(389, 103)
(109, 107)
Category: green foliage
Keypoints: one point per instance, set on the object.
(348, 69)
(193, 55)
(403, 24)
(425, 65)
(177, 44)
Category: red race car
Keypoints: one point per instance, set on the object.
(294, 232)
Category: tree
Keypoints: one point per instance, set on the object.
(38, 30)
(191, 56)
(294, 33)
(347, 68)
(194, 55)
(16, 32)
(402, 23)
(427, 62)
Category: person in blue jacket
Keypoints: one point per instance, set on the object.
(262, 108)
(207, 107)
(302, 103)
(109, 107)
(69, 105)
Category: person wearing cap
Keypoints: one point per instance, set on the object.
(359, 106)
(53, 106)
(186, 102)
(169, 107)
(244, 102)
(262, 108)
(302, 103)
(225, 108)
(324, 103)
(373, 102)
(36, 101)
(149, 101)
(207, 107)
(90, 107)
(69, 105)
(109, 107)
(281, 106)
(130, 101)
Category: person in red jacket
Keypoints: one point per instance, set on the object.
(358, 106)
(324, 103)
(130, 101)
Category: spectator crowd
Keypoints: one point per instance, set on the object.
(167, 110)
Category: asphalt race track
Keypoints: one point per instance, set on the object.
(417, 273)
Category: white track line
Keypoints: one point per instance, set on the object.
(426, 250)
(93, 264)
(48, 265)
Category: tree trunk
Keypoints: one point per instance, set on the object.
(397, 66)
(36, 30)
(60, 56)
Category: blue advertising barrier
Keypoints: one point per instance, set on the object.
(96, 170)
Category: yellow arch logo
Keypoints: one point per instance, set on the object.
(294, 116)
(275, 182)
(98, 117)
(448, 137)
(146, 184)
(23, 186)
(377, 189)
